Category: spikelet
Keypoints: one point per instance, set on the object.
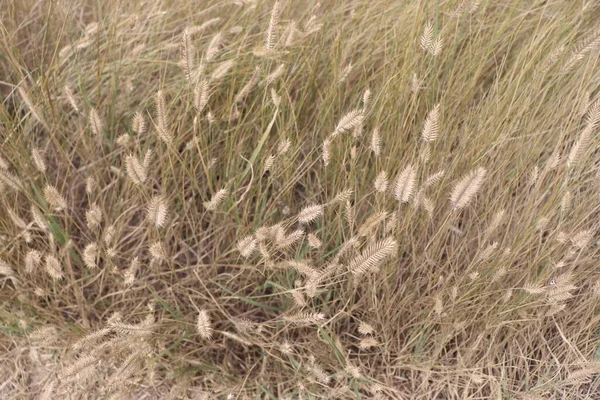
(582, 238)
(533, 176)
(592, 121)
(136, 171)
(204, 325)
(467, 188)
(373, 256)
(405, 184)
(318, 372)
(304, 269)
(54, 198)
(586, 45)
(201, 94)
(90, 185)
(371, 223)
(311, 26)
(431, 126)
(349, 213)
(157, 252)
(90, 256)
(428, 206)
(38, 218)
(552, 162)
(91, 339)
(214, 48)
(425, 154)
(162, 124)
(366, 99)
(247, 246)
(562, 237)
(381, 182)
(494, 223)
(247, 88)
(204, 26)
(48, 390)
(276, 74)
(289, 240)
(392, 223)
(533, 288)
(348, 122)
(560, 289)
(187, 52)
(157, 211)
(138, 123)
(44, 335)
(342, 197)
(429, 43)
(305, 318)
(345, 73)
(427, 37)
(433, 179)
(310, 213)
(283, 147)
(581, 376)
(268, 164)
(565, 202)
(376, 142)
(298, 294)
(18, 221)
(290, 34)
(96, 122)
(275, 98)
(216, 200)
(365, 329)
(93, 216)
(314, 241)
(129, 274)
(326, 151)
(368, 342)
(487, 252)
(541, 224)
(221, 70)
(38, 160)
(33, 260)
(11, 180)
(124, 140)
(53, 267)
(71, 98)
(270, 37)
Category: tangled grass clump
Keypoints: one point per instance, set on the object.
(241, 199)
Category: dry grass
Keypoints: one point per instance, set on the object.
(257, 199)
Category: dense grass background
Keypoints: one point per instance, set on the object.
(199, 273)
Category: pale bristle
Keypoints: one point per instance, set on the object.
(271, 39)
(381, 182)
(54, 198)
(466, 189)
(431, 126)
(405, 184)
(90, 256)
(204, 325)
(373, 256)
(216, 200)
(38, 160)
(162, 125)
(157, 211)
(310, 213)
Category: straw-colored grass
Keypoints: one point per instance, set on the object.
(257, 199)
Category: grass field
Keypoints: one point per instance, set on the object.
(382, 199)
